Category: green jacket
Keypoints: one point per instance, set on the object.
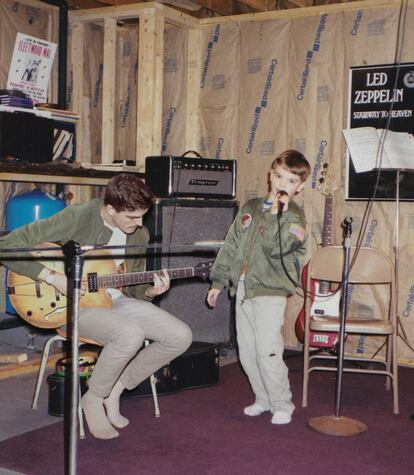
(83, 224)
(253, 240)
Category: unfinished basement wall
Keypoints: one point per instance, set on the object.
(35, 19)
(273, 82)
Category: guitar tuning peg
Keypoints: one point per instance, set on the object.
(321, 180)
(325, 165)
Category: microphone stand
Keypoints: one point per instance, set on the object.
(337, 425)
(74, 261)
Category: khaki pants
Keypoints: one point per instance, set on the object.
(122, 330)
(259, 323)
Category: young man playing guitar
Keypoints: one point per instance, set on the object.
(131, 318)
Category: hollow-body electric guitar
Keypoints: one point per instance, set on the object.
(41, 305)
(324, 301)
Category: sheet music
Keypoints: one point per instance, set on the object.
(400, 149)
(371, 148)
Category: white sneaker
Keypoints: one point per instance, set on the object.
(280, 417)
(254, 410)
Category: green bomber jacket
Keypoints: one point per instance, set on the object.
(83, 224)
(253, 244)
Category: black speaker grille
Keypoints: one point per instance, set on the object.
(185, 221)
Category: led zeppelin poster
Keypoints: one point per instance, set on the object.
(381, 97)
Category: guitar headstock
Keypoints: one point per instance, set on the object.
(202, 269)
(326, 181)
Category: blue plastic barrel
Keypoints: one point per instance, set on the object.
(28, 207)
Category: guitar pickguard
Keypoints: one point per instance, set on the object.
(326, 305)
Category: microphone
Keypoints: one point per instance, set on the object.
(280, 204)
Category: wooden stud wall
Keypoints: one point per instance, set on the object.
(153, 18)
(150, 84)
(302, 12)
(192, 128)
(108, 91)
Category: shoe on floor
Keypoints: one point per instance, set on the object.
(280, 417)
(254, 410)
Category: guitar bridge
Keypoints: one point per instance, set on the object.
(93, 282)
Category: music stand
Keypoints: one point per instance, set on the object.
(337, 424)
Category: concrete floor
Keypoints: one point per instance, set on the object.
(4, 471)
(16, 393)
(16, 415)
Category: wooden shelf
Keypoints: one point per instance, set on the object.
(57, 173)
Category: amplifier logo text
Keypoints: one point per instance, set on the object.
(203, 182)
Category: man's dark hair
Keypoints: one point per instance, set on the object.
(128, 192)
(294, 162)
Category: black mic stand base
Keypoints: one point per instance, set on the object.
(340, 426)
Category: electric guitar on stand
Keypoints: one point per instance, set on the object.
(41, 305)
(324, 300)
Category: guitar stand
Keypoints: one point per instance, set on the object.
(337, 424)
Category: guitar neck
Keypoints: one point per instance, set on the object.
(327, 222)
(132, 278)
(324, 287)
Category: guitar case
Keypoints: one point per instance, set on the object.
(198, 367)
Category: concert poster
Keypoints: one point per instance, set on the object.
(30, 66)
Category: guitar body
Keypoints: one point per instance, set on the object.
(326, 305)
(41, 304)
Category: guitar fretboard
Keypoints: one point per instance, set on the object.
(327, 222)
(324, 287)
(132, 278)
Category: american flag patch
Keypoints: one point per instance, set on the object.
(297, 231)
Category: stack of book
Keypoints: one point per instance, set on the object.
(12, 100)
(62, 144)
(58, 114)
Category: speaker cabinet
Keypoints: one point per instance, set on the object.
(184, 221)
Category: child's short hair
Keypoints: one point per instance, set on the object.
(293, 161)
(128, 192)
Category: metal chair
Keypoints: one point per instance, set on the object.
(371, 268)
(62, 336)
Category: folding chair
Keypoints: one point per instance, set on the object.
(371, 268)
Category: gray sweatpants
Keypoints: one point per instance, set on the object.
(259, 323)
(122, 330)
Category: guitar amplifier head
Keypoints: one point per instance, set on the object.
(191, 177)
